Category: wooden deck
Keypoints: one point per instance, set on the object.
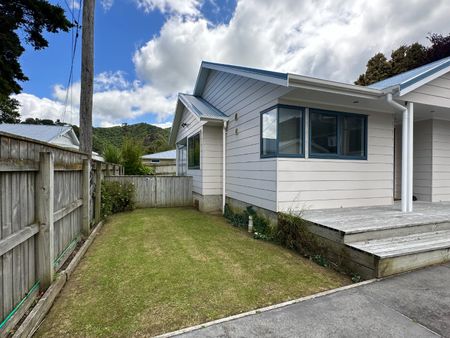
(381, 241)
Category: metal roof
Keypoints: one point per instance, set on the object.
(164, 155)
(201, 108)
(413, 76)
(254, 73)
(40, 132)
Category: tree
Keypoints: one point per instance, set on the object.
(112, 154)
(32, 18)
(131, 158)
(440, 47)
(405, 58)
(378, 68)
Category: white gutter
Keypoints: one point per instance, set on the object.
(224, 173)
(406, 154)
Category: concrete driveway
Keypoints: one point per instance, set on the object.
(415, 304)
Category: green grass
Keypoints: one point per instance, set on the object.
(156, 270)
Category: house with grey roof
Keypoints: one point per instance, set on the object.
(163, 163)
(63, 136)
(283, 141)
(349, 159)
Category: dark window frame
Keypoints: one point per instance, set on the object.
(189, 166)
(302, 128)
(339, 119)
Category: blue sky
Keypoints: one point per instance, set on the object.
(148, 50)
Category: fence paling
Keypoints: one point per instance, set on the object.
(41, 215)
(159, 191)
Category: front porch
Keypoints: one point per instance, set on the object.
(382, 240)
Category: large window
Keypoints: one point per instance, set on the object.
(194, 152)
(337, 135)
(282, 132)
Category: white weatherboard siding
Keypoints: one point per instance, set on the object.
(211, 161)
(422, 160)
(441, 160)
(305, 183)
(398, 162)
(249, 179)
(436, 92)
(194, 125)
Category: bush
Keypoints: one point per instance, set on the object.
(292, 232)
(112, 154)
(117, 197)
(131, 158)
(261, 226)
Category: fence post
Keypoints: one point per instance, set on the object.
(86, 184)
(44, 215)
(98, 191)
(108, 169)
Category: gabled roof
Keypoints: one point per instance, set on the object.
(40, 132)
(164, 155)
(257, 74)
(416, 77)
(202, 109)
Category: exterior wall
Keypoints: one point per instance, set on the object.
(193, 126)
(441, 161)
(306, 183)
(249, 179)
(422, 160)
(211, 161)
(398, 162)
(208, 203)
(436, 92)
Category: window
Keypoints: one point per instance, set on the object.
(269, 133)
(337, 135)
(154, 161)
(323, 129)
(194, 152)
(282, 132)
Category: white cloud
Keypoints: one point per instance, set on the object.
(181, 7)
(114, 99)
(330, 39)
(74, 4)
(106, 4)
(163, 125)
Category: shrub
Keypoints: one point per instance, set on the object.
(112, 154)
(131, 158)
(117, 197)
(293, 233)
(261, 226)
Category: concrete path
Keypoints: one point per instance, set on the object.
(415, 304)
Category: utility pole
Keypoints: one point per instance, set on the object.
(87, 76)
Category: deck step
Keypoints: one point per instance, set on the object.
(389, 231)
(404, 253)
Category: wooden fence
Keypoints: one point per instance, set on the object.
(159, 191)
(43, 214)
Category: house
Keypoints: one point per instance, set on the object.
(164, 163)
(63, 136)
(287, 141)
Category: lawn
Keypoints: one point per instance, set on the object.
(156, 270)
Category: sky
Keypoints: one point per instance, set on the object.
(147, 51)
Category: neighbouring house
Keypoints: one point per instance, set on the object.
(164, 163)
(63, 136)
(282, 141)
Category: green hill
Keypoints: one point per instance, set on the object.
(154, 139)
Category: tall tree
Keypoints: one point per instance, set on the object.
(32, 18)
(378, 67)
(405, 58)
